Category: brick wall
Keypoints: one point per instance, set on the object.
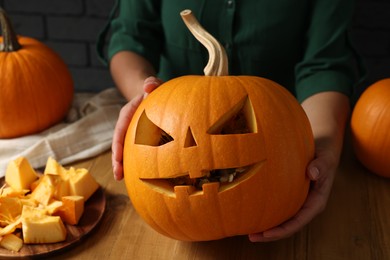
(371, 36)
(71, 28)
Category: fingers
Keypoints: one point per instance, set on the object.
(319, 168)
(316, 167)
(285, 230)
(118, 139)
(117, 166)
(314, 204)
(259, 237)
(125, 116)
(288, 228)
(323, 172)
(151, 83)
(313, 172)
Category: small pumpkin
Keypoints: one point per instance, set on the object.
(36, 87)
(370, 128)
(208, 157)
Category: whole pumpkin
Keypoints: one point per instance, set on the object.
(36, 87)
(370, 128)
(208, 157)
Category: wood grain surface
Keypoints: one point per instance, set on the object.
(355, 225)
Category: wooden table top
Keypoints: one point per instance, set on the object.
(355, 225)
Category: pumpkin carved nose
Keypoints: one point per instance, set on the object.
(189, 140)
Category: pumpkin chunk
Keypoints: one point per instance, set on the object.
(81, 183)
(71, 210)
(37, 214)
(19, 174)
(10, 210)
(35, 230)
(45, 190)
(11, 242)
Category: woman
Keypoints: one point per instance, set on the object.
(303, 45)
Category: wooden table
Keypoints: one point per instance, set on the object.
(355, 225)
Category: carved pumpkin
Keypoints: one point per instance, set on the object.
(208, 157)
(370, 127)
(36, 88)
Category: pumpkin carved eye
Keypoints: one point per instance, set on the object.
(239, 120)
(150, 134)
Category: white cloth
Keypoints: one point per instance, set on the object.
(86, 132)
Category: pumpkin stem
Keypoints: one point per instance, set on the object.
(218, 62)
(10, 40)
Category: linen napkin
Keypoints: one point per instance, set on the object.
(86, 132)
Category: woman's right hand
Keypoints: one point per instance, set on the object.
(125, 116)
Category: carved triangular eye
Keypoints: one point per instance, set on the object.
(240, 119)
(148, 133)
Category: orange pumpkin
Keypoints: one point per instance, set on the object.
(36, 87)
(208, 157)
(370, 127)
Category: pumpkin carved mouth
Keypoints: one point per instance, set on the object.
(217, 179)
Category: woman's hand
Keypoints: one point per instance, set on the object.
(327, 113)
(125, 116)
(321, 172)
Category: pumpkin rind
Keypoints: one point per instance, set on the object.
(282, 146)
(36, 89)
(370, 128)
(192, 127)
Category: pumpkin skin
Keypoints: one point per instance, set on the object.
(370, 128)
(277, 148)
(36, 89)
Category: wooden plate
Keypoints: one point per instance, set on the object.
(93, 212)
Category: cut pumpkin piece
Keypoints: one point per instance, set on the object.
(10, 210)
(81, 183)
(71, 210)
(53, 167)
(45, 229)
(19, 174)
(11, 242)
(45, 190)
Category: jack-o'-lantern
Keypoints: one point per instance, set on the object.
(208, 157)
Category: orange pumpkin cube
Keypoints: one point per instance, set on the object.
(71, 210)
(19, 174)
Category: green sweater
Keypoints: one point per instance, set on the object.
(303, 44)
